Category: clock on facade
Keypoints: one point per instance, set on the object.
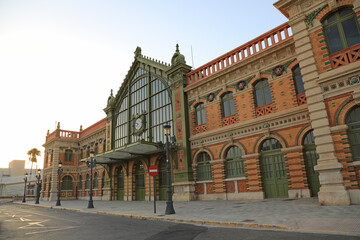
(139, 124)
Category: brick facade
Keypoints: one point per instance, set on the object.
(332, 89)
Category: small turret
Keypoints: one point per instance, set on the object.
(111, 99)
(177, 57)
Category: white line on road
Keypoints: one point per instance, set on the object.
(50, 230)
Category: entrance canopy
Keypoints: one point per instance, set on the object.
(131, 151)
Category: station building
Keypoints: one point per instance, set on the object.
(277, 117)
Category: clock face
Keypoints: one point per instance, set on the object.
(138, 123)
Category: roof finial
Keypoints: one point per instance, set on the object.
(177, 48)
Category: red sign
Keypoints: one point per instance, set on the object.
(153, 170)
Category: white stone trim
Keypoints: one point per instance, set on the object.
(356, 163)
(205, 181)
(290, 149)
(235, 179)
(338, 128)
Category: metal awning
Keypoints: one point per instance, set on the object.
(131, 151)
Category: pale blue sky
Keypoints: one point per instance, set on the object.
(60, 59)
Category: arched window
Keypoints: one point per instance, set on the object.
(203, 167)
(309, 138)
(88, 152)
(49, 184)
(68, 155)
(67, 183)
(262, 93)
(200, 114)
(299, 85)
(103, 180)
(96, 184)
(353, 122)
(270, 144)
(96, 149)
(234, 163)
(87, 183)
(341, 30)
(80, 183)
(228, 106)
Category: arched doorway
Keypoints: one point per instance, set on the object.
(120, 184)
(311, 157)
(139, 182)
(273, 169)
(353, 122)
(162, 179)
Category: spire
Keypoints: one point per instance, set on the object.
(177, 57)
(111, 98)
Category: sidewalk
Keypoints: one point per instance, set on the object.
(276, 214)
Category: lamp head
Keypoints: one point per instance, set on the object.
(92, 153)
(167, 129)
(26, 175)
(39, 171)
(60, 164)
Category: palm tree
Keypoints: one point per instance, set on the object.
(33, 153)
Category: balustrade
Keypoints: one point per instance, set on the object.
(346, 56)
(259, 44)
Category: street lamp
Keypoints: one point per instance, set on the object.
(91, 163)
(169, 202)
(60, 170)
(38, 177)
(25, 180)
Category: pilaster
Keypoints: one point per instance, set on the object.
(332, 190)
(183, 174)
(54, 174)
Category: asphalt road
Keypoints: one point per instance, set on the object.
(28, 222)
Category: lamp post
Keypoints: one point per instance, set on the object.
(38, 177)
(169, 202)
(25, 180)
(91, 163)
(60, 170)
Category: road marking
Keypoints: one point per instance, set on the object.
(50, 230)
(33, 223)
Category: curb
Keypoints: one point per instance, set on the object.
(198, 222)
(274, 227)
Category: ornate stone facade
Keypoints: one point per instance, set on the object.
(274, 121)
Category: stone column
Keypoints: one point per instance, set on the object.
(332, 190)
(54, 174)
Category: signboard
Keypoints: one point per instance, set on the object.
(153, 170)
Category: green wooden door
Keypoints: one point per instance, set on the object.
(139, 183)
(162, 180)
(353, 122)
(311, 157)
(120, 185)
(273, 170)
(274, 175)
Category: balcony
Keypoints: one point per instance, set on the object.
(345, 56)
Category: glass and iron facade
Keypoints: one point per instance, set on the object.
(146, 95)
